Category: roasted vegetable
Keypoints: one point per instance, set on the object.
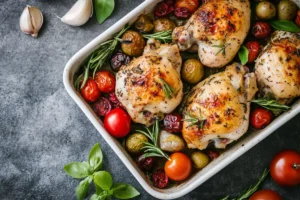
(287, 10)
(163, 24)
(144, 24)
(265, 10)
(135, 142)
(192, 71)
(132, 43)
(199, 159)
(118, 60)
(170, 142)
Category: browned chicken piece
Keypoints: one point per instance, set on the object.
(217, 109)
(278, 67)
(219, 28)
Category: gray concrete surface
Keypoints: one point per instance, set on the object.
(42, 129)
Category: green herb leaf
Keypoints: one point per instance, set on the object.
(168, 90)
(96, 157)
(83, 187)
(285, 25)
(98, 197)
(78, 169)
(78, 81)
(163, 36)
(85, 77)
(103, 179)
(124, 191)
(271, 105)
(103, 9)
(243, 54)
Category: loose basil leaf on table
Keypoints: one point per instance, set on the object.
(103, 179)
(96, 157)
(83, 187)
(78, 169)
(103, 9)
(285, 25)
(243, 54)
(124, 191)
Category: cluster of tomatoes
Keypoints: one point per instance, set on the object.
(285, 171)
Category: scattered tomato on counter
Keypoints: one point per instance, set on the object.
(117, 123)
(261, 30)
(285, 168)
(90, 92)
(266, 195)
(106, 81)
(260, 118)
(179, 167)
(253, 49)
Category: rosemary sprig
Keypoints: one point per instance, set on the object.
(193, 120)
(168, 90)
(253, 188)
(271, 105)
(222, 48)
(99, 57)
(152, 150)
(163, 36)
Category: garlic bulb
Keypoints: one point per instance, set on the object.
(31, 20)
(79, 14)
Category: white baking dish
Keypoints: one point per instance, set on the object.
(239, 148)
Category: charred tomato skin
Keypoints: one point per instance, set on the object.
(145, 164)
(102, 106)
(260, 118)
(266, 195)
(118, 60)
(173, 123)
(106, 81)
(261, 30)
(164, 8)
(160, 179)
(285, 168)
(253, 49)
(90, 91)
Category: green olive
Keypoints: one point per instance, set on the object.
(144, 24)
(265, 10)
(163, 24)
(135, 142)
(133, 43)
(199, 159)
(287, 10)
(192, 71)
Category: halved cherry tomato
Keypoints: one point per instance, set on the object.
(253, 49)
(117, 122)
(265, 195)
(260, 118)
(261, 30)
(178, 167)
(106, 81)
(90, 92)
(285, 168)
(191, 5)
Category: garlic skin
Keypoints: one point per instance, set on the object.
(79, 14)
(31, 21)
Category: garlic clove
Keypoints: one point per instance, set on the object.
(31, 21)
(79, 14)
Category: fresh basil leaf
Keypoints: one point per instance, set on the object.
(94, 197)
(243, 54)
(124, 191)
(83, 187)
(96, 157)
(101, 196)
(103, 179)
(98, 189)
(78, 169)
(285, 25)
(103, 9)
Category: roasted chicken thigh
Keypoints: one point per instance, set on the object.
(217, 109)
(150, 85)
(219, 28)
(278, 67)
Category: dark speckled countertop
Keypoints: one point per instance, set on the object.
(42, 129)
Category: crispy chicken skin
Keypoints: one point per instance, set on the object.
(219, 28)
(139, 85)
(278, 67)
(221, 103)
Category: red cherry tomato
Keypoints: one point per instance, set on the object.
(90, 92)
(191, 5)
(178, 167)
(117, 122)
(261, 30)
(253, 49)
(106, 81)
(160, 179)
(297, 21)
(260, 118)
(164, 8)
(285, 168)
(173, 123)
(265, 195)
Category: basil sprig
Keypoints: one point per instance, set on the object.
(243, 54)
(102, 179)
(285, 25)
(103, 9)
